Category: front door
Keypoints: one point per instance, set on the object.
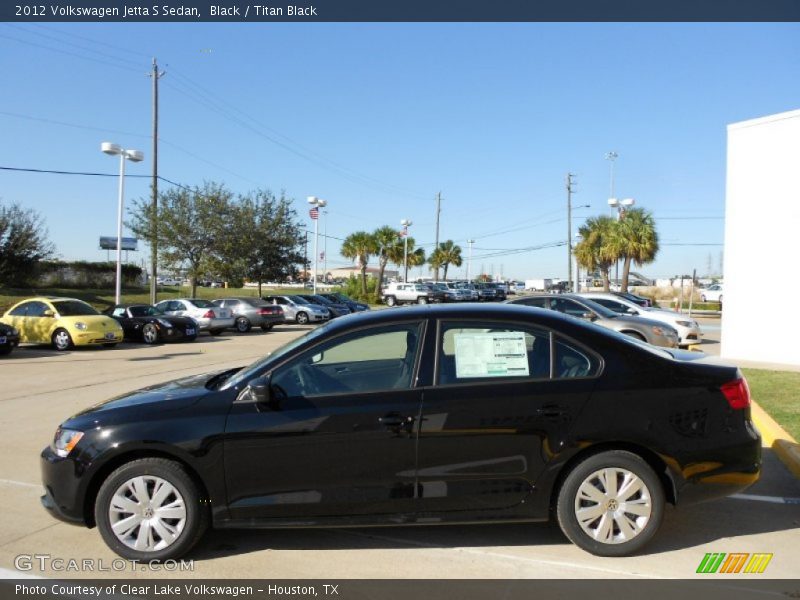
(340, 435)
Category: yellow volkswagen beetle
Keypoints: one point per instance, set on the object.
(62, 322)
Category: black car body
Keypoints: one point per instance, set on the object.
(398, 417)
(148, 324)
(347, 301)
(9, 338)
(337, 309)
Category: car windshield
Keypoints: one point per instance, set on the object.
(74, 308)
(300, 300)
(341, 297)
(255, 367)
(199, 303)
(601, 310)
(318, 300)
(145, 311)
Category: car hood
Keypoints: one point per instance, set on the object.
(169, 396)
(93, 321)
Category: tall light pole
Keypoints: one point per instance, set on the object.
(621, 206)
(469, 260)
(325, 248)
(406, 223)
(133, 156)
(569, 228)
(316, 204)
(611, 157)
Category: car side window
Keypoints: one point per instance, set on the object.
(180, 306)
(485, 351)
(36, 309)
(21, 310)
(571, 362)
(538, 302)
(119, 312)
(617, 307)
(569, 307)
(380, 358)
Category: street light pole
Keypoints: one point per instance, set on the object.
(316, 203)
(469, 260)
(133, 156)
(569, 229)
(406, 223)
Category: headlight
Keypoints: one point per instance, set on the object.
(65, 440)
(684, 323)
(164, 323)
(659, 331)
(80, 325)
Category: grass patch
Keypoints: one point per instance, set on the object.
(778, 393)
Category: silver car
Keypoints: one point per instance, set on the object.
(251, 312)
(210, 318)
(647, 330)
(297, 309)
(688, 329)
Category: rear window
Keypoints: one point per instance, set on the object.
(201, 303)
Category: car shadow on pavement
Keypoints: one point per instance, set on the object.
(683, 527)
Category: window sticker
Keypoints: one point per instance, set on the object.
(496, 354)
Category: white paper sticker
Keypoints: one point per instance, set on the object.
(498, 354)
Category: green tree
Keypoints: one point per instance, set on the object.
(635, 239)
(446, 254)
(359, 247)
(23, 243)
(191, 226)
(597, 249)
(385, 240)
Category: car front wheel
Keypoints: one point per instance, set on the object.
(611, 504)
(61, 340)
(422, 300)
(302, 318)
(391, 301)
(150, 509)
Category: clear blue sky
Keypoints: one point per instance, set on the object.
(491, 115)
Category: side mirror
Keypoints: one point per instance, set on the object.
(589, 316)
(48, 313)
(259, 391)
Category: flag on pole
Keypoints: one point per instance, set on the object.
(314, 213)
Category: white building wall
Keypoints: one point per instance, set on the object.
(760, 320)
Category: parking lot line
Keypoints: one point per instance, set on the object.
(20, 483)
(771, 499)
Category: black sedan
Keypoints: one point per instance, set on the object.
(148, 324)
(9, 338)
(435, 414)
(347, 301)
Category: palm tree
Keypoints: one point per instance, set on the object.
(385, 239)
(446, 254)
(636, 240)
(397, 253)
(359, 246)
(598, 248)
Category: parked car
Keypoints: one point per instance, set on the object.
(209, 317)
(486, 293)
(452, 413)
(712, 293)
(409, 293)
(448, 294)
(62, 322)
(646, 330)
(500, 290)
(249, 312)
(148, 324)
(297, 309)
(688, 329)
(640, 300)
(337, 309)
(347, 301)
(9, 338)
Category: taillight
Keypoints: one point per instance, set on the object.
(209, 315)
(737, 393)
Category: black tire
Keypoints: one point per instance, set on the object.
(196, 510)
(267, 326)
(649, 496)
(243, 325)
(6, 349)
(702, 298)
(150, 333)
(114, 345)
(635, 335)
(301, 318)
(61, 340)
(422, 300)
(190, 338)
(391, 301)
(215, 331)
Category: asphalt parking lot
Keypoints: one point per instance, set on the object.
(41, 388)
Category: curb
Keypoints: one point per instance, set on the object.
(774, 436)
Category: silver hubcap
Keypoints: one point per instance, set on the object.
(150, 334)
(613, 505)
(242, 324)
(147, 513)
(62, 339)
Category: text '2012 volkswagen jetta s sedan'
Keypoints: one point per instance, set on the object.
(435, 414)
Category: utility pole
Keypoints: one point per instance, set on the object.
(305, 259)
(155, 75)
(469, 261)
(569, 229)
(436, 247)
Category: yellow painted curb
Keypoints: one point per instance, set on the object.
(774, 436)
(694, 348)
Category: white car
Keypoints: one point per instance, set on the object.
(210, 318)
(688, 329)
(712, 293)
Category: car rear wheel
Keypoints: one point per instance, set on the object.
(61, 340)
(301, 318)
(150, 509)
(391, 301)
(149, 333)
(422, 300)
(6, 349)
(243, 325)
(611, 504)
